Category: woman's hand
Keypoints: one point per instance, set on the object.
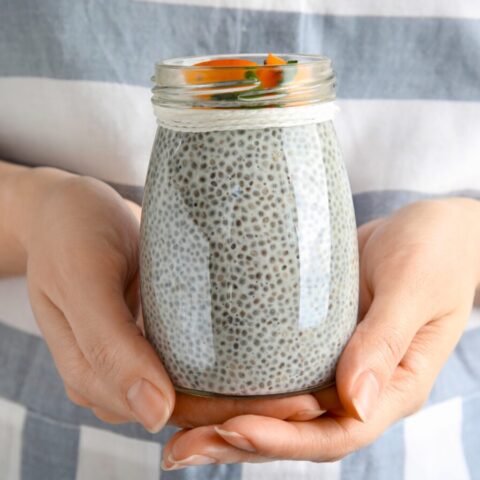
(80, 243)
(419, 271)
(81, 240)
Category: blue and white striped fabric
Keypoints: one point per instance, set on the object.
(74, 93)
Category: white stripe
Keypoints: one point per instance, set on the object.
(287, 470)
(12, 420)
(433, 443)
(106, 130)
(15, 307)
(97, 128)
(109, 456)
(390, 8)
(429, 146)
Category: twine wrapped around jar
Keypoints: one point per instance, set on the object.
(190, 120)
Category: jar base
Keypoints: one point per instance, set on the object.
(201, 393)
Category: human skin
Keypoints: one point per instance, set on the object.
(419, 270)
(77, 241)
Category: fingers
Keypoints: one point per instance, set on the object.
(81, 385)
(376, 348)
(208, 448)
(322, 439)
(117, 351)
(259, 438)
(195, 411)
(252, 438)
(328, 400)
(204, 445)
(326, 438)
(111, 381)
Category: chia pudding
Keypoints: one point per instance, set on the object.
(249, 262)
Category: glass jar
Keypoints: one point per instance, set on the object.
(249, 262)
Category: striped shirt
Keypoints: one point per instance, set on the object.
(74, 93)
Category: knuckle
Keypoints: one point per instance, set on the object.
(341, 442)
(103, 358)
(351, 437)
(73, 374)
(79, 183)
(394, 345)
(346, 445)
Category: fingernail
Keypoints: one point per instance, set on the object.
(236, 440)
(149, 405)
(365, 395)
(192, 460)
(304, 415)
(216, 454)
(170, 466)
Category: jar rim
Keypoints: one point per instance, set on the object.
(304, 80)
(183, 62)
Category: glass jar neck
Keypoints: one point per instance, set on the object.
(302, 80)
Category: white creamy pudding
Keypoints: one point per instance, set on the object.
(249, 260)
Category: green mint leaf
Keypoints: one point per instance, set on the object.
(250, 75)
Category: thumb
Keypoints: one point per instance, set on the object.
(376, 348)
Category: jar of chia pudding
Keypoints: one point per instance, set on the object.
(249, 262)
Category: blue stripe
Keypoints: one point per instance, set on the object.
(375, 57)
(375, 204)
(49, 450)
(384, 459)
(368, 205)
(471, 434)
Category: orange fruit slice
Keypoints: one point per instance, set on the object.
(214, 75)
(274, 60)
(271, 77)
